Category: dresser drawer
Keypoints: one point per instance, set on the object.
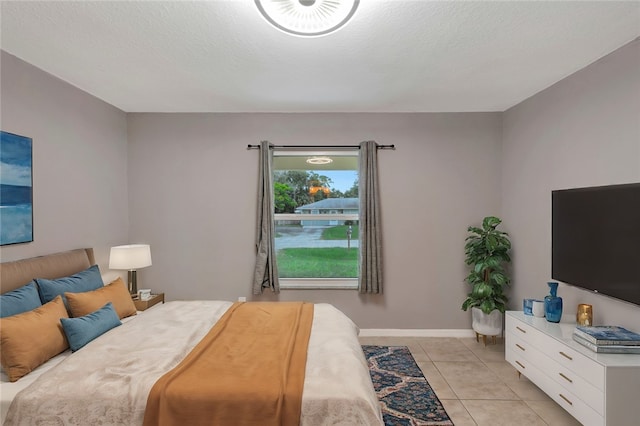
(526, 332)
(523, 349)
(573, 360)
(537, 373)
(566, 378)
(577, 385)
(516, 357)
(559, 352)
(574, 405)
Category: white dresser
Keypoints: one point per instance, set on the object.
(597, 389)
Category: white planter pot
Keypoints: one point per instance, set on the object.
(486, 324)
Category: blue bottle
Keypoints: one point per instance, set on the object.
(553, 303)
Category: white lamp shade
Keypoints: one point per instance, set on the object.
(130, 257)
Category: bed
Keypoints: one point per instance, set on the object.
(109, 379)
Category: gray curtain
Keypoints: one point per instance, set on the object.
(266, 270)
(370, 277)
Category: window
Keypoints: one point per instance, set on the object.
(316, 218)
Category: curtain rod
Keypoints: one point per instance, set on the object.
(318, 146)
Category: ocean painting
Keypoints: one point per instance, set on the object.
(16, 189)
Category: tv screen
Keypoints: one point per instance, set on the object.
(596, 239)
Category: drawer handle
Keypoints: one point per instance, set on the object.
(566, 356)
(524, 331)
(520, 347)
(517, 362)
(566, 378)
(565, 398)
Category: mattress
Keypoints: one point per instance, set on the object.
(108, 381)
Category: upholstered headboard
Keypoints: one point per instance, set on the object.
(19, 272)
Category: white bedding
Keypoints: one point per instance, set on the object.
(108, 381)
(9, 390)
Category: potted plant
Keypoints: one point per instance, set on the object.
(487, 253)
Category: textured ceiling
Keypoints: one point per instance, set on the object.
(394, 56)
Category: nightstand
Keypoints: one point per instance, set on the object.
(142, 305)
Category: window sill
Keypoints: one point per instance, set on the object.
(318, 284)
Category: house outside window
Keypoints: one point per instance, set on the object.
(316, 218)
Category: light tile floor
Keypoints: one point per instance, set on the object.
(476, 385)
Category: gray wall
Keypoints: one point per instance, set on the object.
(79, 162)
(583, 131)
(185, 183)
(192, 186)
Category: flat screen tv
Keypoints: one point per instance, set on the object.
(596, 239)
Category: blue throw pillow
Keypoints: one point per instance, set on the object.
(82, 330)
(87, 280)
(23, 299)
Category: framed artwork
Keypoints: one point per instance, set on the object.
(16, 189)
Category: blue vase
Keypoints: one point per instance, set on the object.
(553, 303)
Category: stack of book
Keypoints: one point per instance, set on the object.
(608, 339)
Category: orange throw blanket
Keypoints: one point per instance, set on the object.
(248, 370)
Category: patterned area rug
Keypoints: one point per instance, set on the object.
(405, 395)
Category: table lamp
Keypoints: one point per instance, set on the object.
(131, 258)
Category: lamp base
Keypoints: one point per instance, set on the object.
(133, 283)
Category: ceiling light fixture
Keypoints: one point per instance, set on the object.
(319, 160)
(307, 18)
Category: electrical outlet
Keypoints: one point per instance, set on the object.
(242, 299)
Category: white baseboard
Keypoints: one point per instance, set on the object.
(392, 332)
